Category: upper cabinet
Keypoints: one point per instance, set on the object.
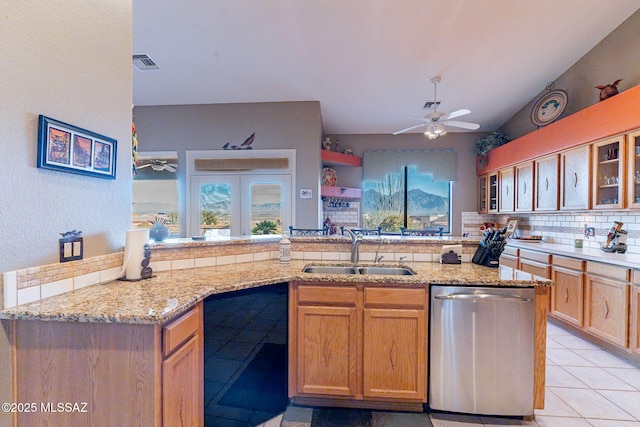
(633, 170)
(482, 194)
(608, 178)
(546, 184)
(524, 187)
(506, 201)
(574, 188)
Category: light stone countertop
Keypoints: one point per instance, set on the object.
(630, 260)
(169, 293)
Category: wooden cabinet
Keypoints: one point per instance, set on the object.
(483, 191)
(634, 315)
(537, 264)
(567, 296)
(546, 190)
(633, 170)
(394, 343)
(608, 173)
(607, 302)
(362, 344)
(183, 371)
(128, 374)
(524, 187)
(574, 182)
(506, 200)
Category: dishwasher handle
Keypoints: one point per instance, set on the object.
(483, 297)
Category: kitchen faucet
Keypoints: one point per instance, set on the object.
(355, 245)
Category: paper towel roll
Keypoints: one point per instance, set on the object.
(134, 253)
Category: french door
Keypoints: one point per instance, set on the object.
(239, 204)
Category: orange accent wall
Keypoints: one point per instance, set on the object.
(613, 116)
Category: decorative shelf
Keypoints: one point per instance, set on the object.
(333, 158)
(341, 192)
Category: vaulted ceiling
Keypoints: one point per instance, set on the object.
(368, 62)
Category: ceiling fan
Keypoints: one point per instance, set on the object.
(435, 121)
(160, 165)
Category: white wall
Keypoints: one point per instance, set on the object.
(70, 61)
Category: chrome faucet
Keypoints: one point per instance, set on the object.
(355, 245)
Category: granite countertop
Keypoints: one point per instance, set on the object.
(169, 293)
(590, 254)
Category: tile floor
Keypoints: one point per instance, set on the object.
(586, 385)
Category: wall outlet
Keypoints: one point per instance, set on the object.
(67, 250)
(589, 231)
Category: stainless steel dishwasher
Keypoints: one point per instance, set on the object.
(482, 350)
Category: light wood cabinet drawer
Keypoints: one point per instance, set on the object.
(615, 272)
(535, 268)
(607, 309)
(508, 250)
(508, 261)
(535, 256)
(342, 295)
(395, 297)
(180, 330)
(571, 263)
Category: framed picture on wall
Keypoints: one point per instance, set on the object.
(68, 148)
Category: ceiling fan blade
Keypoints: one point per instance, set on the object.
(408, 129)
(144, 166)
(464, 125)
(169, 168)
(457, 113)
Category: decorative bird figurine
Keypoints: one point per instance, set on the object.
(246, 145)
(607, 91)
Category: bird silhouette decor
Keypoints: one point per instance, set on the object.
(246, 145)
(607, 91)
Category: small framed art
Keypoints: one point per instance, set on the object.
(68, 148)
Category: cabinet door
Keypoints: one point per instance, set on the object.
(182, 398)
(394, 353)
(546, 188)
(482, 194)
(634, 342)
(524, 187)
(326, 350)
(633, 171)
(492, 196)
(507, 193)
(608, 176)
(574, 182)
(607, 309)
(567, 298)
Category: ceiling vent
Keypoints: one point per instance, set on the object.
(143, 62)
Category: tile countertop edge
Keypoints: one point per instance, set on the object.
(168, 294)
(630, 260)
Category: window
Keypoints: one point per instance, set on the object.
(410, 199)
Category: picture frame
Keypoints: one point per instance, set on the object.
(67, 148)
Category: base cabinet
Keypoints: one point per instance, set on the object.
(357, 343)
(634, 341)
(607, 309)
(567, 296)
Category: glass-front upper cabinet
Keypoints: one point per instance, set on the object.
(608, 178)
(482, 194)
(492, 182)
(633, 173)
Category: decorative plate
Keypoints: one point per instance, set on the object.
(549, 107)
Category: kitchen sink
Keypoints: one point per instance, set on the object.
(330, 269)
(390, 271)
(341, 269)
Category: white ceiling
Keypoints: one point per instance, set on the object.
(368, 62)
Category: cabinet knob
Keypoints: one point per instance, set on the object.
(606, 309)
(546, 184)
(525, 188)
(575, 174)
(566, 295)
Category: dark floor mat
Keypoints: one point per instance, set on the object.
(262, 386)
(333, 417)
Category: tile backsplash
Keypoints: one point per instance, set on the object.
(562, 227)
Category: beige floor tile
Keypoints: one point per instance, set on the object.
(574, 342)
(274, 422)
(597, 378)
(603, 359)
(629, 375)
(555, 407)
(557, 376)
(590, 404)
(613, 423)
(556, 330)
(547, 421)
(551, 343)
(565, 357)
(627, 400)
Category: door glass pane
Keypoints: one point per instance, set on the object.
(215, 210)
(266, 208)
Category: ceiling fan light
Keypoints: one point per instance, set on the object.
(439, 129)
